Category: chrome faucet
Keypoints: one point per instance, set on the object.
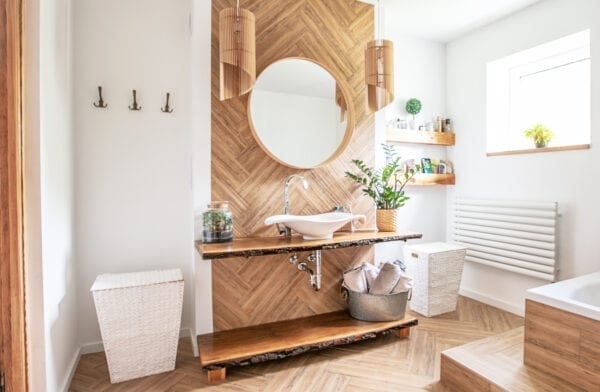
(286, 231)
(348, 208)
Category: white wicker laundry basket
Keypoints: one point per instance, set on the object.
(436, 269)
(139, 315)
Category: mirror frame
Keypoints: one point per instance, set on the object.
(349, 117)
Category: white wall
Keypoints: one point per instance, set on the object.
(133, 169)
(565, 177)
(200, 78)
(419, 67)
(34, 312)
(49, 212)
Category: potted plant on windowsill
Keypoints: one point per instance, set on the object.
(385, 186)
(540, 134)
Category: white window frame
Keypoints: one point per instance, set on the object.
(503, 77)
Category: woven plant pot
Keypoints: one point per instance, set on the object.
(387, 219)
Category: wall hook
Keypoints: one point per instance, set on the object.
(167, 109)
(135, 105)
(100, 103)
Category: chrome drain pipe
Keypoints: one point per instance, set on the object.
(314, 275)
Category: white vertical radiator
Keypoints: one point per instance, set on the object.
(517, 236)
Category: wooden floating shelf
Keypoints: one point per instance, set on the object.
(259, 343)
(419, 137)
(262, 246)
(432, 179)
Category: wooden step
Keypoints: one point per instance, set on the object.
(496, 364)
(249, 345)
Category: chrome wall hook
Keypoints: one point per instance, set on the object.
(167, 109)
(100, 103)
(135, 105)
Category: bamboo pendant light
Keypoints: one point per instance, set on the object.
(237, 52)
(379, 70)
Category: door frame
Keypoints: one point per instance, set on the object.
(13, 352)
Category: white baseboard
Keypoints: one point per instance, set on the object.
(509, 307)
(72, 367)
(90, 348)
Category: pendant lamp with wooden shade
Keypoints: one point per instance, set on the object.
(379, 70)
(237, 52)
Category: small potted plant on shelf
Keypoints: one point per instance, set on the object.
(540, 134)
(385, 186)
(413, 106)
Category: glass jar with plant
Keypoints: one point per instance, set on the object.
(385, 186)
(413, 106)
(540, 134)
(217, 222)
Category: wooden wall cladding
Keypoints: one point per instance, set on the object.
(265, 289)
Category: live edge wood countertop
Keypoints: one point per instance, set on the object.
(261, 246)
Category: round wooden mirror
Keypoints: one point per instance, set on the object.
(299, 114)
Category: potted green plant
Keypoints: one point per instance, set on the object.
(413, 106)
(540, 134)
(385, 186)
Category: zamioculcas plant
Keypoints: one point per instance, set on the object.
(385, 186)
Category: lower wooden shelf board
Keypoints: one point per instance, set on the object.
(260, 343)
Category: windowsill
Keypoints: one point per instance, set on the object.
(536, 150)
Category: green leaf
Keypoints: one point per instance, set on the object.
(384, 185)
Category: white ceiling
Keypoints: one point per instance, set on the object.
(444, 20)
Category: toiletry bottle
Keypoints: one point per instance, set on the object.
(448, 125)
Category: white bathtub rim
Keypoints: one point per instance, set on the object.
(558, 295)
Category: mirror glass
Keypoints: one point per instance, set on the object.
(299, 113)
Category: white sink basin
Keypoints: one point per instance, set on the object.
(315, 227)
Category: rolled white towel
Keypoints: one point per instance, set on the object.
(371, 273)
(355, 280)
(387, 279)
(404, 283)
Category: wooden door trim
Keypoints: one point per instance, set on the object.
(13, 354)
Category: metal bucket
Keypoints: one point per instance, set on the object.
(376, 307)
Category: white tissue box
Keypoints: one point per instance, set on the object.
(436, 269)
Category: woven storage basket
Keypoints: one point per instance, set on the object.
(387, 219)
(436, 269)
(139, 315)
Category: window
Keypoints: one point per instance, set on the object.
(550, 85)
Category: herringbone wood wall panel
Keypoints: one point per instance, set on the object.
(265, 289)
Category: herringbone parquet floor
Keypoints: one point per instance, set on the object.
(384, 364)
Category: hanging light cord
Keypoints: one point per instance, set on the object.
(237, 27)
(378, 22)
(379, 48)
